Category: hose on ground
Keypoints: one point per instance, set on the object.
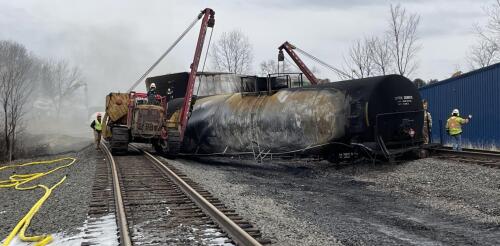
(17, 181)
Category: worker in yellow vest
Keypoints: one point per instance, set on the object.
(427, 123)
(454, 128)
(97, 126)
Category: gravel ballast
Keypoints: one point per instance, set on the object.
(423, 202)
(65, 210)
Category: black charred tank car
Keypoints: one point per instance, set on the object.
(379, 116)
(385, 115)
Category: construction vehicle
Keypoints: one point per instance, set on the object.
(302, 66)
(133, 117)
(290, 49)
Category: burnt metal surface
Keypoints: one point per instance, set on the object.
(294, 119)
(380, 95)
(287, 120)
(207, 83)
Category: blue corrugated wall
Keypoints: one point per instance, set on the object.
(476, 93)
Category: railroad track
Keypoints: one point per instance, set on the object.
(155, 204)
(479, 157)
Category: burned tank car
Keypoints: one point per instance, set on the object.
(386, 113)
(381, 115)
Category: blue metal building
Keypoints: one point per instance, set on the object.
(476, 93)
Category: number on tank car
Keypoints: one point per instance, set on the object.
(403, 100)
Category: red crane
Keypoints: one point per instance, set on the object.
(208, 21)
(305, 70)
(288, 47)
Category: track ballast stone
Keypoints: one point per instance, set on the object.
(426, 201)
(65, 210)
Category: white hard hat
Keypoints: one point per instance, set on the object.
(455, 111)
(153, 85)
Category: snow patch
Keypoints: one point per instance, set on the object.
(100, 231)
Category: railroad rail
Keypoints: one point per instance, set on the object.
(120, 208)
(151, 198)
(479, 157)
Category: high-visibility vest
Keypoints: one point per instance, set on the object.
(98, 125)
(454, 125)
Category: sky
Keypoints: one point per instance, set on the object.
(115, 41)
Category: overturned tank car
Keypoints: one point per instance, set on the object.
(378, 116)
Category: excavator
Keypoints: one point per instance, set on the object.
(135, 117)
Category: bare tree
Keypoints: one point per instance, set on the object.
(381, 55)
(419, 82)
(482, 54)
(359, 63)
(491, 31)
(403, 39)
(268, 67)
(432, 81)
(61, 81)
(15, 88)
(232, 53)
(271, 66)
(486, 51)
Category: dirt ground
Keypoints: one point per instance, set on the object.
(423, 202)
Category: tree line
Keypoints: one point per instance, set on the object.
(393, 52)
(25, 79)
(486, 50)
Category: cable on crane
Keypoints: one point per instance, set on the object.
(336, 70)
(205, 60)
(166, 52)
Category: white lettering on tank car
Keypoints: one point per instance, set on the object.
(403, 100)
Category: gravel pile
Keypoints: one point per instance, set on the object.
(423, 202)
(66, 208)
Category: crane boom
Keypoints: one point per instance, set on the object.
(302, 66)
(208, 21)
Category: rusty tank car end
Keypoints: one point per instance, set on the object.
(379, 116)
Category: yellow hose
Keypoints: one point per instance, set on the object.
(16, 181)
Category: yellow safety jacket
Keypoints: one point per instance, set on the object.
(98, 125)
(454, 125)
